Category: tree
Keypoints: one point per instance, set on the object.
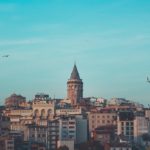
(91, 145)
(146, 137)
(63, 148)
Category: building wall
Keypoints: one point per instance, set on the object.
(75, 91)
(38, 133)
(133, 129)
(19, 118)
(126, 128)
(141, 126)
(63, 129)
(6, 143)
(67, 128)
(18, 112)
(81, 129)
(70, 111)
(147, 113)
(43, 108)
(97, 119)
(53, 134)
(125, 124)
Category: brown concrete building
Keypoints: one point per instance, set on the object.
(104, 134)
(15, 100)
(19, 118)
(101, 118)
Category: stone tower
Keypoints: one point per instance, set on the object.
(75, 87)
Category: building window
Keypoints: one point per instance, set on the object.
(71, 131)
(127, 133)
(131, 128)
(93, 116)
(64, 127)
(10, 142)
(39, 135)
(32, 136)
(71, 122)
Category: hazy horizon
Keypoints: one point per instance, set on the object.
(109, 40)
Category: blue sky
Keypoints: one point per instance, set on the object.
(108, 39)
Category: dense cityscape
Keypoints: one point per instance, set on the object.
(73, 123)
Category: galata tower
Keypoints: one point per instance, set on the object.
(75, 87)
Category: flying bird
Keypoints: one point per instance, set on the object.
(148, 80)
(5, 56)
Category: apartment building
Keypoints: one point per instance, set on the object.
(132, 125)
(19, 118)
(125, 125)
(141, 126)
(37, 133)
(101, 118)
(53, 134)
(6, 143)
(60, 129)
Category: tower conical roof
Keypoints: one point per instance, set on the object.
(75, 74)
